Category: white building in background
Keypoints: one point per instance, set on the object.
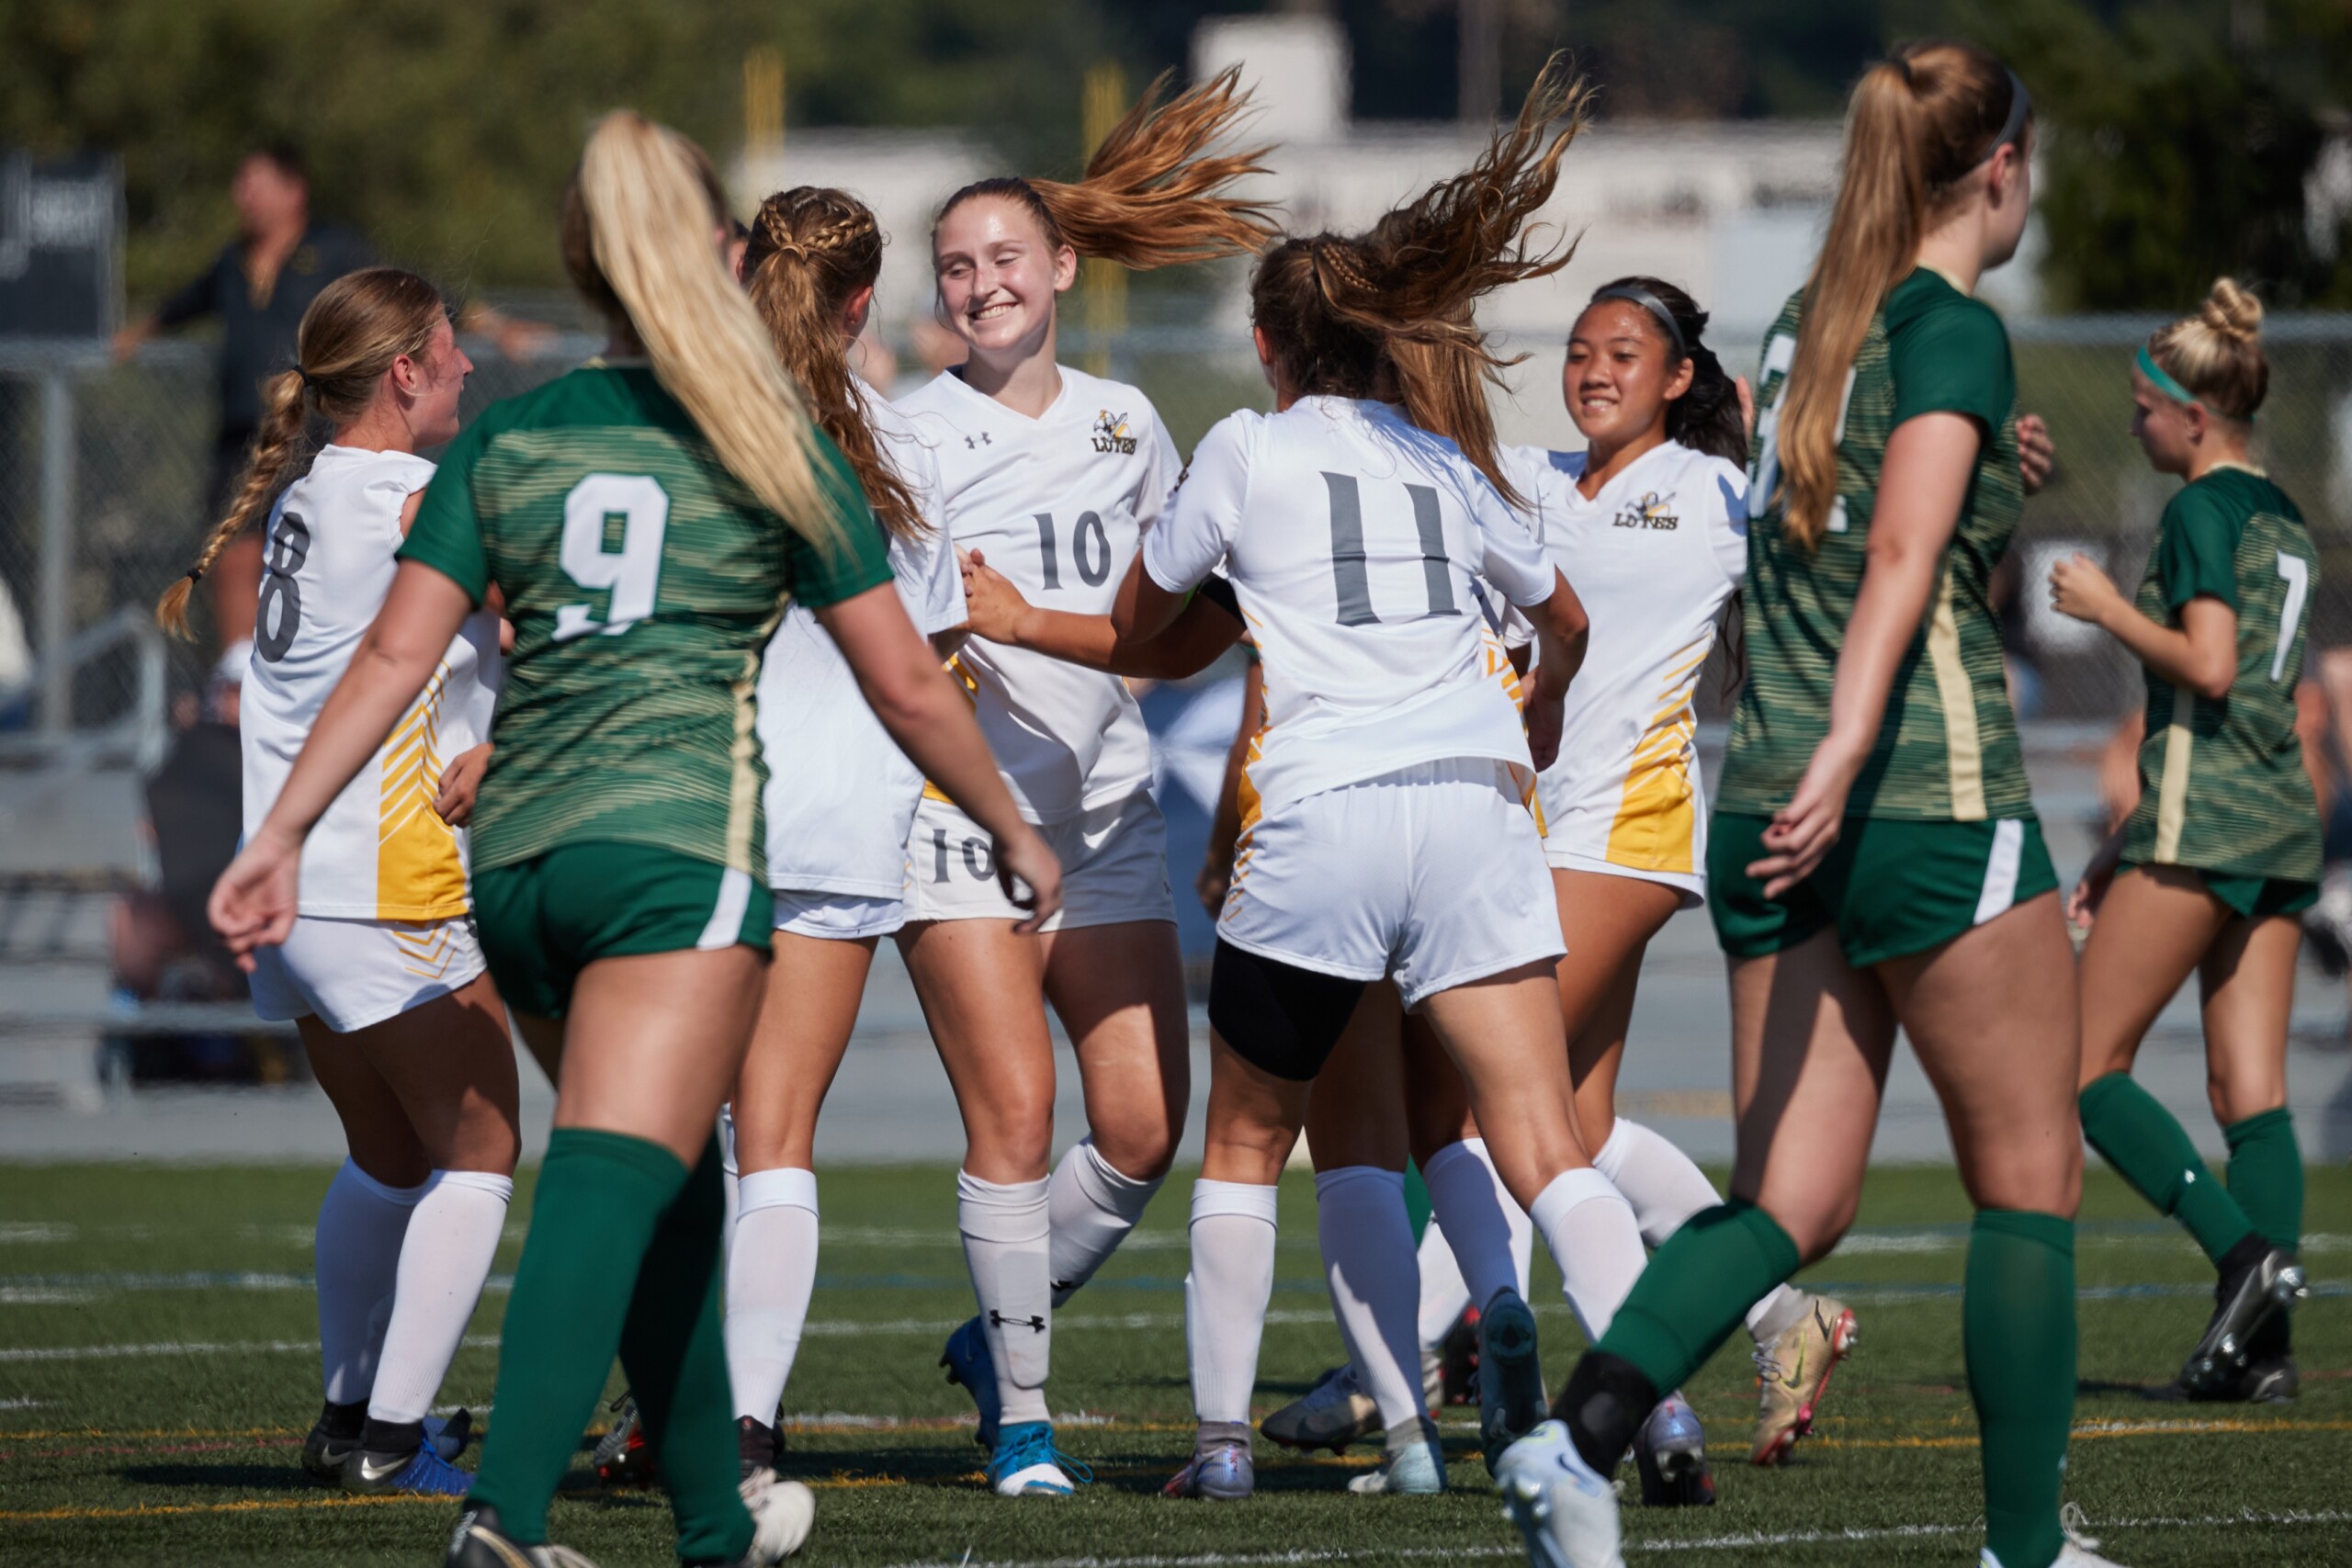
(1731, 210)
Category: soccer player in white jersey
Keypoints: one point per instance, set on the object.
(1392, 837)
(382, 975)
(1054, 475)
(840, 795)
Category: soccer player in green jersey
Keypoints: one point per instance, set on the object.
(2207, 874)
(646, 519)
(1874, 861)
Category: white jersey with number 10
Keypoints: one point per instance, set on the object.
(1358, 545)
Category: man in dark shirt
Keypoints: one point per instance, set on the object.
(259, 286)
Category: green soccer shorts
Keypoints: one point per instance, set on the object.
(2250, 897)
(544, 920)
(1889, 887)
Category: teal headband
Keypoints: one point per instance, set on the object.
(2160, 378)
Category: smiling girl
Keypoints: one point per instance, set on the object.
(2207, 875)
(1054, 476)
(382, 973)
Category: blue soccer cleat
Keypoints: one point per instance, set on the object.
(968, 1363)
(1026, 1464)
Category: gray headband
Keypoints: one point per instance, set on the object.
(1635, 294)
(2020, 106)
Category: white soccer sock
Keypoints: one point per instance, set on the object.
(1666, 1188)
(357, 1265)
(1444, 1290)
(1008, 1248)
(1094, 1205)
(771, 1269)
(1491, 1237)
(445, 1256)
(1225, 1293)
(1367, 1242)
(1590, 1228)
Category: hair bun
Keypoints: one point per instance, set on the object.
(2232, 311)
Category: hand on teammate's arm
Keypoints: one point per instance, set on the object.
(934, 725)
(1929, 460)
(252, 905)
(1190, 645)
(2201, 653)
(460, 783)
(1562, 632)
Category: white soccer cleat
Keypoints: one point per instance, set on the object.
(1415, 1470)
(2081, 1548)
(1565, 1513)
(783, 1512)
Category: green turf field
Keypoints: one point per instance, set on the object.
(157, 1373)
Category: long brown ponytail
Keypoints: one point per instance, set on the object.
(351, 334)
(1389, 313)
(1920, 120)
(811, 248)
(1152, 195)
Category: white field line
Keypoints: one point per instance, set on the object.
(1754, 1541)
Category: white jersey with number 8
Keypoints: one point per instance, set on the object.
(1361, 548)
(1057, 504)
(380, 851)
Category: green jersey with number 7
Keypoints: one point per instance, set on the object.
(642, 579)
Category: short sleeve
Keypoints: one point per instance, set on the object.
(860, 561)
(1726, 501)
(1204, 515)
(446, 535)
(1513, 558)
(2196, 546)
(1953, 358)
(1165, 470)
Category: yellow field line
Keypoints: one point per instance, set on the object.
(2098, 1429)
(246, 1505)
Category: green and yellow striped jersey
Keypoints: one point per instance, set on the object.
(2221, 783)
(1947, 749)
(643, 580)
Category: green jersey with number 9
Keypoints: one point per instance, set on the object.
(2221, 783)
(642, 579)
(1947, 748)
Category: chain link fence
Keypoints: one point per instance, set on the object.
(104, 471)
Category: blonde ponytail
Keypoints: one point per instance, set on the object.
(638, 223)
(1918, 122)
(2217, 352)
(351, 334)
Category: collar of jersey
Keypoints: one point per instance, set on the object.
(1053, 410)
(1576, 497)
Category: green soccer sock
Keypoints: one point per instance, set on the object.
(601, 1199)
(2017, 1332)
(677, 1362)
(2149, 1149)
(1697, 1289)
(2266, 1176)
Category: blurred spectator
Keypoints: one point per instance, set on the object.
(259, 286)
(163, 946)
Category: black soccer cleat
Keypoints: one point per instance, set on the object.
(2246, 1300)
(758, 1444)
(478, 1542)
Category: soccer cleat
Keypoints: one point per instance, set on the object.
(623, 1458)
(1566, 1514)
(1333, 1413)
(449, 1439)
(968, 1362)
(1025, 1463)
(781, 1515)
(1415, 1471)
(2244, 1303)
(1510, 1375)
(1792, 1373)
(422, 1471)
(2081, 1551)
(1222, 1472)
(759, 1444)
(478, 1542)
(324, 1454)
(1670, 1452)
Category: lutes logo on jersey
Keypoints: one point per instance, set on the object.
(1111, 433)
(1647, 512)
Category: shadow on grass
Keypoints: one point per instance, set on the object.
(242, 1477)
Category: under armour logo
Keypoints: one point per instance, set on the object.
(998, 1320)
(976, 443)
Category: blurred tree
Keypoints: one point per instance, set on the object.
(2184, 137)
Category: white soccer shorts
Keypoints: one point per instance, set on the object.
(837, 916)
(1432, 877)
(350, 974)
(1114, 867)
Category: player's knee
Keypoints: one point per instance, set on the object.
(2236, 1096)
